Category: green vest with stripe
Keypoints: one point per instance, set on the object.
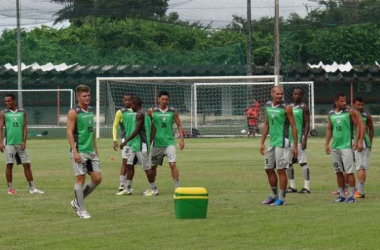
(298, 113)
(341, 128)
(84, 130)
(14, 126)
(366, 141)
(129, 123)
(278, 124)
(141, 142)
(163, 121)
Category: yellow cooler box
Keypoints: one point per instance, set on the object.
(190, 203)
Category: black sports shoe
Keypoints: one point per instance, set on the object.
(291, 190)
(304, 191)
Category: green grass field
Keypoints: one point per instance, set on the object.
(232, 171)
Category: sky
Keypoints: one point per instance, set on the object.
(219, 13)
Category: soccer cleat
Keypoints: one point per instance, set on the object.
(36, 191)
(151, 192)
(304, 191)
(335, 192)
(278, 202)
(340, 199)
(146, 191)
(12, 191)
(358, 194)
(268, 201)
(125, 192)
(350, 199)
(83, 215)
(121, 188)
(74, 205)
(291, 190)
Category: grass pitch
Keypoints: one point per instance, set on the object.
(232, 171)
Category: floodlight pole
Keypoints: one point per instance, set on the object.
(19, 75)
(277, 41)
(249, 40)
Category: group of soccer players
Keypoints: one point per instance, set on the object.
(147, 138)
(351, 131)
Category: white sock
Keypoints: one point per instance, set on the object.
(292, 184)
(307, 185)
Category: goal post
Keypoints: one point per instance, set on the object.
(46, 108)
(110, 91)
(219, 108)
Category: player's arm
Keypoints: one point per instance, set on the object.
(306, 121)
(264, 135)
(371, 129)
(180, 130)
(25, 132)
(360, 129)
(153, 127)
(289, 113)
(116, 122)
(2, 121)
(328, 136)
(139, 125)
(70, 126)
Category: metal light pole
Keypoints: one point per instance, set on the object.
(19, 75)
(249, 40)
(277, 41)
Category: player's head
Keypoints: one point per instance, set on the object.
(83, 94)
(359, 103)
(297, 95)
(163, 98)
(340, 101)
(136, 103)
(277, 93)
(127, 99)
(10, 101)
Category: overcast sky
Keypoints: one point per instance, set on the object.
(217, 12)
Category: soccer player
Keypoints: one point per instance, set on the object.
(302, 118)
(83, 150)
(163, 118)
(141, 145)
(277, 120)
(362, 159)
(125, 118)
(14, 143)
(339, 128)
(253, 114)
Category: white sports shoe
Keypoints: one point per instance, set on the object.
(146, 191)
(36, 191)
(74, 205)
(121, 188)
(83, 215)
(151, 192)
(125, 192)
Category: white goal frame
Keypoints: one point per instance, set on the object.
(269, 78)
(194, 112)
(72, 97)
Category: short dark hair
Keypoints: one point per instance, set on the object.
(137, 101)
(11, 96)
(163, 92)
(82, 88)
(298, 89)
(128, 94)
(338, 95)
(358, 99)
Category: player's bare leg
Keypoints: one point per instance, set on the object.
(361, 183)
(123, 174)
(283, 181)
(272, 180)
(29, 177)
(152, 191)
(175, 173)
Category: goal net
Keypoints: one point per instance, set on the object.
(208, 106)
(46, 108)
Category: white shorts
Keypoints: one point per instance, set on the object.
(158, 154)
(90, 163)
(14, 152)
(128, 155)
(343, 160)
(362, 159)
(143, 159)
(301, 158)
(276, 157)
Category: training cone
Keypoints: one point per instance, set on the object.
(112, 159)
